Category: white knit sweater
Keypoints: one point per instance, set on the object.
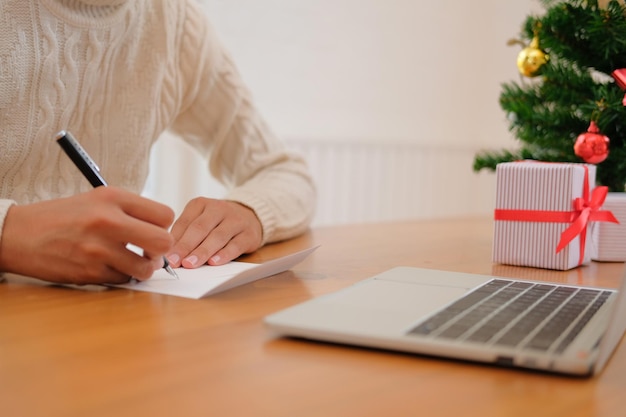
(117, 74)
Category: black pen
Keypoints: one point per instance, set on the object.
(91, 171)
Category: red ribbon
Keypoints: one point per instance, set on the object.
(586, 209)
(620, 78)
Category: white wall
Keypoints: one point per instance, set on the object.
(397, 72)
(400, 70)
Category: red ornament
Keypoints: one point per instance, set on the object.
(592, 146)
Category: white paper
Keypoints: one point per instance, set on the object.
(207, 280)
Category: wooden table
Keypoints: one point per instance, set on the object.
(68, 352)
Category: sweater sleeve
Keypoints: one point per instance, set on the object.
(219, 119)
(4, 209)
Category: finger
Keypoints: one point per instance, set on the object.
(155, 241)
(126, 230)
(193, 210)
(129, 263)
(232, 250)
(138, 207)
(95, 272)
(117, 226)
(112, 276)
(102, 274)
(216, 240)
(132, 219)
(202, 235)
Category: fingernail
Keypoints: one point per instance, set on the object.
(173, 259)
(190, 261)
(215, 259)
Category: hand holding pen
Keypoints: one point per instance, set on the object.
(91, 172)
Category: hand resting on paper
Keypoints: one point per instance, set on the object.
(214, 232)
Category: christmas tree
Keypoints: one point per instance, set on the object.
(571, 90)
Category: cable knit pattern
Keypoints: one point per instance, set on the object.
(118, 73)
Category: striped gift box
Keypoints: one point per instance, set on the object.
(610, 239)
(530, 195)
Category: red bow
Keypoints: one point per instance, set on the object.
(586, 210)
(620, 78)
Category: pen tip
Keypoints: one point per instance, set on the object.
(171, 271)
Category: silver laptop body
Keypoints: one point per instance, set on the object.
(536, 325)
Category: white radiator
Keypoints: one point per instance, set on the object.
(378, 182)
(356, 182)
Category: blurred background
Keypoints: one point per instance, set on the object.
(388, 101)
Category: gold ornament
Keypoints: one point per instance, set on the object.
(531, 59)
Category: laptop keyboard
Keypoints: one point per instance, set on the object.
(515, 314)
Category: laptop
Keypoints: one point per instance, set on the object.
(543, 326)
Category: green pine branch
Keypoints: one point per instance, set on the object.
(546, 114)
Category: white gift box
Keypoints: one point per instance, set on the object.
(609, 238)
(530, 196)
